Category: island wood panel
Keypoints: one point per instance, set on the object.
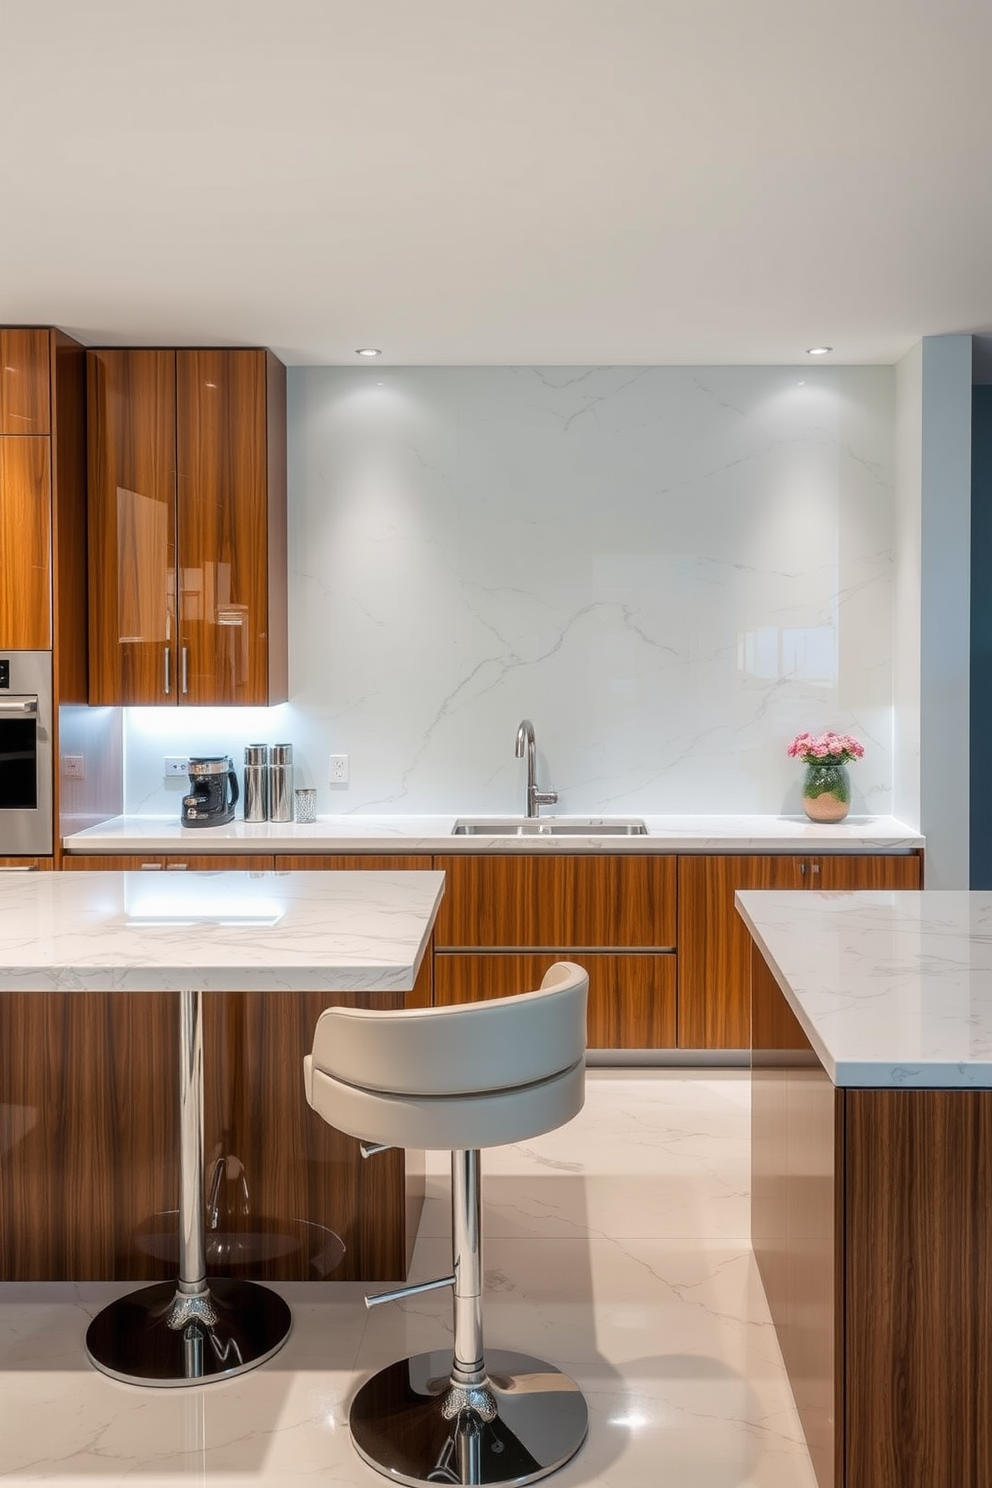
(88, 1181)
(25, 865)
(90, 1132)
(131, 400)
(797, 1163)
(631, 997)
(917, 1314)
(25, 543)
(223, 519)
(25, 388)
(532, 901)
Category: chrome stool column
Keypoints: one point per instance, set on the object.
(517, 1066)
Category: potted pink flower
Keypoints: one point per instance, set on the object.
(826, 784)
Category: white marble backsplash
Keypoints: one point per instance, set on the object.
(671, 571)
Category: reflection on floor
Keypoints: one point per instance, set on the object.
(616, 1248)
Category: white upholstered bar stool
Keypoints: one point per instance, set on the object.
(460, 1078)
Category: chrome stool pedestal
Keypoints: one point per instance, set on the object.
(466, 1417)
(189, 1331)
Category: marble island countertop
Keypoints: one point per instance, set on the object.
(893, 989)
(432, 834)
(220, 932)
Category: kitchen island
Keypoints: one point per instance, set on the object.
(91, 1154)
(872, 1176)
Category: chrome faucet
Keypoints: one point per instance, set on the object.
(535, 797)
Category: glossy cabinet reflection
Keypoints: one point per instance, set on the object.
(187, 517)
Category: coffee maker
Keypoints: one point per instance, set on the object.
(213, 792)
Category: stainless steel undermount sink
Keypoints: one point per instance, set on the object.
(548, 826)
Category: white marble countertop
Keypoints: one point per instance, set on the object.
(432, 834)
(892, 989)
(216, 932)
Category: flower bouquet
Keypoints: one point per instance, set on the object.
(826, 785)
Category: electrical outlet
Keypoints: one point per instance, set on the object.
(72, 767)
(175, 764)
(338, 774)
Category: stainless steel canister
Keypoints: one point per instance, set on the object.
(281, 783)
(256, 782)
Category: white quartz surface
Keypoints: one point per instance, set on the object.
(221, 932)
(432, 834)
(892, 989)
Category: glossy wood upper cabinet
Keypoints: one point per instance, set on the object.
(26, 542)
(187, 463)
(131, 401)
(25, 381)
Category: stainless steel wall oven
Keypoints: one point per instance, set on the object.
(26, 780)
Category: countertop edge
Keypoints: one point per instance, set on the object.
(131, 834)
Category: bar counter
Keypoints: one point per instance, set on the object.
(90, 965)
(872, 1176)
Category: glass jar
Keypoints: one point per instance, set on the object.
(826, 791)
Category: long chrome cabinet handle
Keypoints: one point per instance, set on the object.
(168, 671)
(185, 673)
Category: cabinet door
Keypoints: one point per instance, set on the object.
(25, 381)
(132, 526)
(25, 543)
(223, 526)
(714, 946)
(631, 997)
(522, 899)
(867, 871)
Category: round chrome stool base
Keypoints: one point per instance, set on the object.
(132, 1340)
(408, 1423)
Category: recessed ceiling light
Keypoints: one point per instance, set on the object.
(818, 350)
(368, 351)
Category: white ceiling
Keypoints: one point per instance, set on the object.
(499, 181)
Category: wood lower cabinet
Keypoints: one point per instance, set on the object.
(613, 913)
(582, 900)
(24, 865)
(631, 997)
(187, 527)
(713, 944)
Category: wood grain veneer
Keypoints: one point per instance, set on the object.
(917, 1315)
(713, 941)
(132, 532)
(631, 997)
(25, 399)
(796, 1212)
(221, 460)
(25, 543)
(89, 1137)
(69, 534)
(526, 900)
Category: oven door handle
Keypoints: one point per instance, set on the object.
(19, 705)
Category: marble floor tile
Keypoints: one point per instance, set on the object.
(616, 1249)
